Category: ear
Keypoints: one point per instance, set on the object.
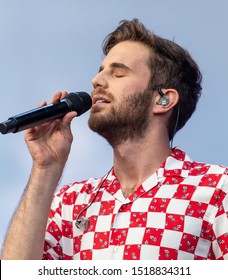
(172, 97)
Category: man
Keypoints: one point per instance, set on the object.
(155, 203)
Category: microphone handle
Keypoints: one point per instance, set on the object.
(35, 117)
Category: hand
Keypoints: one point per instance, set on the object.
(49, 144)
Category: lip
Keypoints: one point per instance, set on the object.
(99, 100)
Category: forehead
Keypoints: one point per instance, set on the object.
(133, 54)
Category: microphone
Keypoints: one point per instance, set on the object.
(75, 101)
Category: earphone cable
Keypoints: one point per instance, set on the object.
(78, 219)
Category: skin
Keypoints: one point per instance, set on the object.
(118, 82)
(49, 145)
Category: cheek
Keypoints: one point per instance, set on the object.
(139, 84)
(128, 86)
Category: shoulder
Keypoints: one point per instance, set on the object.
(200, 173)
(207, 168)
(84, 186)
(210, 175)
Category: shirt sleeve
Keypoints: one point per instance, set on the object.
(53, 236)
(220, 228)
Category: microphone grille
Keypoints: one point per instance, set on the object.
(80, 101)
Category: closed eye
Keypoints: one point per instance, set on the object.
(118, 75)
(118, 70)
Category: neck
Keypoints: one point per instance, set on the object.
(134, 162)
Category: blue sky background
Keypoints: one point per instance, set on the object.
(51, 45)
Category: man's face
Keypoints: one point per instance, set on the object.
(121, 100)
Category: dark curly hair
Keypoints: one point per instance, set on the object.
(171, 67)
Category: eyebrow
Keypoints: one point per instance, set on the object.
(116, 65)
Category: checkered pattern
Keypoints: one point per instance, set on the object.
(179, 212)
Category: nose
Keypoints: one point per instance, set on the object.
(100, 80)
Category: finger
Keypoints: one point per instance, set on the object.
(32, 129)
(59, 95)
(64, 94)
(43, 103)
(66, 124)
(67, 119)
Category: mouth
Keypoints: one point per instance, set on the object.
(100, 100)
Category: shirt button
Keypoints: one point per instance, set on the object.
(116, 249)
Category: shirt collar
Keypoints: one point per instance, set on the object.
(177, 164)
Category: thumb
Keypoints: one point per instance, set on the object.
(67, 119)
(66, 122)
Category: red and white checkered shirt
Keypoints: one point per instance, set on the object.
(180, 212)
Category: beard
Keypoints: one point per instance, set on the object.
(128, 121)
